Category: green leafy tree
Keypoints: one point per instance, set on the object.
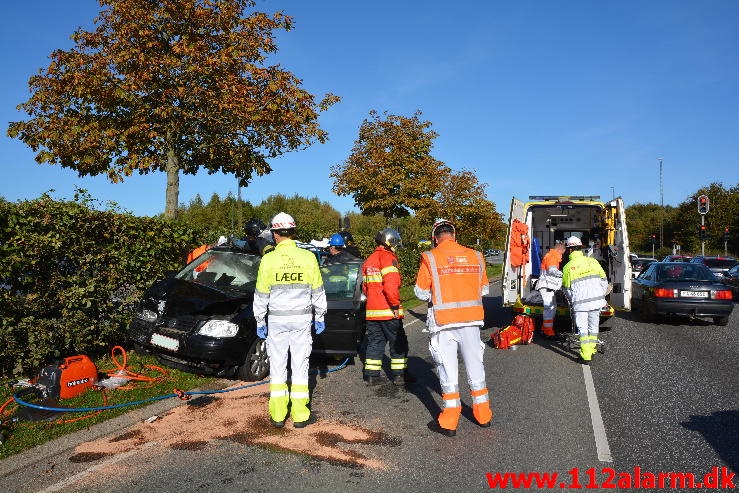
(173, 86)
(723, 213)
(315, 219)
(390, 170)
(643, 221)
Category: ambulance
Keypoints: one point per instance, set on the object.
(535, 226)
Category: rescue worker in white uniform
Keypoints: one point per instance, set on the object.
(453, 280)
(550, 281)
(585, 284)
(289, 289)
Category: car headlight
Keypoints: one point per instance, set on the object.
(146, 315)
(219, 328)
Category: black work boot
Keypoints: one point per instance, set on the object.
(373, 380)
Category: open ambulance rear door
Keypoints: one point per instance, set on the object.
(619, 266)
(512, 276)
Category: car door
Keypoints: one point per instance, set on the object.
(620, 266)
(345, 315)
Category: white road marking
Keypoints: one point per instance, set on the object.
(66, 483)
(599, 430)
(414, 321)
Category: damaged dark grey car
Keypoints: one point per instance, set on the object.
(200, 319)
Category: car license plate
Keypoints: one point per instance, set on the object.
(694, 294)
(165, 342)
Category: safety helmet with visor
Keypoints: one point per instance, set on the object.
(254, 227)
(388, 238)
(348, 238)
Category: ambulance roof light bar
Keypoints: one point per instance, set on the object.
(564, 198)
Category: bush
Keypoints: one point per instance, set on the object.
(70, 275)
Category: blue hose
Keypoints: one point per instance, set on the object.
(159, 397)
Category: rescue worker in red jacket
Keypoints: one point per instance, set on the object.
(550, 281)
(453, 280)
(381, 284)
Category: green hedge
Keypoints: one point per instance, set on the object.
(70, 275)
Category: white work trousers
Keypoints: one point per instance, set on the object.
(588, 323)
(550, 303)
(299, 344)
(444, 346)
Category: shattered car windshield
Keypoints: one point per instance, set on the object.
(225, 270)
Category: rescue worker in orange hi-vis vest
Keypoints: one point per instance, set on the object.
(453, 280)
(550, 281)
(381, 284)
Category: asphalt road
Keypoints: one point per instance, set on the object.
(666, 394)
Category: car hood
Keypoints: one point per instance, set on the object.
(175, 297)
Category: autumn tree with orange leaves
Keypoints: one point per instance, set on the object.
(463, 200)
(390, 170)
(174, 86)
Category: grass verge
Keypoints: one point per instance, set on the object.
(22, 435)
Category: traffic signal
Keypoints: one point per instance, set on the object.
(653, 240)
(703, 232)
(726, 234)
(703, 204)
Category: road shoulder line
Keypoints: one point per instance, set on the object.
(599, 430)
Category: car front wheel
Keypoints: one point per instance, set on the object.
(256, 362)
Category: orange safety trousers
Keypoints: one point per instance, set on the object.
(481, 406)
(449, 417)
(547, 327)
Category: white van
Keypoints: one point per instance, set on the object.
(600, 225)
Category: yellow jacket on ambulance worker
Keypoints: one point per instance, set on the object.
(453, 280)
(584, 283)
(290, 291)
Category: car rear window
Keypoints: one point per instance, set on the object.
(684, 272)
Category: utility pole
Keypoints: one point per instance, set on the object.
(661, 205)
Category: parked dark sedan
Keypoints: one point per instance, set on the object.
(718, 265)
(731, 279)
(201, 320)
(678, 288)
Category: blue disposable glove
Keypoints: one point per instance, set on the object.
(262, 332)
(320, 326)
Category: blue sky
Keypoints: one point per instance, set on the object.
(538, 97)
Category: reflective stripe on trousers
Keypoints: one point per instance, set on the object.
(298, 344)
(379, 334)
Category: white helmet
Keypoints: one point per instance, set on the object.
(282, 221)
(442, 225)
(573, 241)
